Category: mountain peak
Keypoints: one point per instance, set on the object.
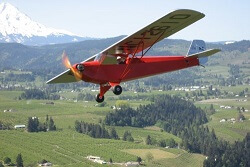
(5, 5)
(16, 26)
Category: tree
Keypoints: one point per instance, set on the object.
(19, 160)
(110, 160)
(149, 157)
(162, 143)
(113, 133)
(6, 160)
(127, 136)
(130, 138)
(33, 124)
(52, 125)
(1, 164)
(44, 161)
(78, 126)
(139, 160)
(171, 143)
(240, 117)
(47, 121)
(148, 140)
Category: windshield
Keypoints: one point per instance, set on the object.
(98, 57)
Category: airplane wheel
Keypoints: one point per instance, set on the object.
(98, 98)
(117, 90)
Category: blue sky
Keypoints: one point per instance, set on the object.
(224, 20)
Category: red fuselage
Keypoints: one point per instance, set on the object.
(135, 68)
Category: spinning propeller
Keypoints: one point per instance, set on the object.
(76, 70)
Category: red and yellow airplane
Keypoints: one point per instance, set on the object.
(125, 60)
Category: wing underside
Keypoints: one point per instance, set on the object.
(205, 53)
(64, 77)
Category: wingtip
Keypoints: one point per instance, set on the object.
(217, 50)
(48, 82)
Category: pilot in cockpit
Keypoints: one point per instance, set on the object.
(120, 60)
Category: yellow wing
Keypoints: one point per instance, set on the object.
(154, 32)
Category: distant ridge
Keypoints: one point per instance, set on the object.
(18, 56)
(17, 27)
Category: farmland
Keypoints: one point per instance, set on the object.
(228, 130)
(66, 147)
(219, 84)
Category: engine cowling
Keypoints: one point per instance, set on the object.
(80, 67)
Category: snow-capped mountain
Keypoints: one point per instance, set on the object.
(18, 27)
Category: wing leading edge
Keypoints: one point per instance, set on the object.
(64, 77)
(67, 76)
(142, 39)
(154, 32)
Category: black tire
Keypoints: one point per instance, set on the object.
(98, 99)
(117, 90)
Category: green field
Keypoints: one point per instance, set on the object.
(66, 147)
(228, 130)
(157, 153)
(184, 159)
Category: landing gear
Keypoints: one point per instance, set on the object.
(117, 90)
(99, 98)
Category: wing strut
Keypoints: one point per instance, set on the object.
(125, 72)
(152, 44)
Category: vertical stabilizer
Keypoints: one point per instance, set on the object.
(198, 46)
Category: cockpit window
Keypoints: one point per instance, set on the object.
(105, 59)
(98, 57)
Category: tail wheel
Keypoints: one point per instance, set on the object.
(99, 98)
(117, 90)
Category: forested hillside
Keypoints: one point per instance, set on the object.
(172, 112)
(183, 119)
(18, 56)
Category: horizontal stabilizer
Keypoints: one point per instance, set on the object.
(65, 77)
(205, 53)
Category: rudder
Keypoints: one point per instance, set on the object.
(196, 47)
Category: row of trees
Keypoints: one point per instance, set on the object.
(19, 78)
(7, 161)
(95, 130)
(99, 131)
(35, 126)
(39, 94)
(85, 96)
(161, 143)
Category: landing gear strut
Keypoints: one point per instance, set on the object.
(117, 90)
(99, 98)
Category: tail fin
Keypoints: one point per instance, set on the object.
(198, 49)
